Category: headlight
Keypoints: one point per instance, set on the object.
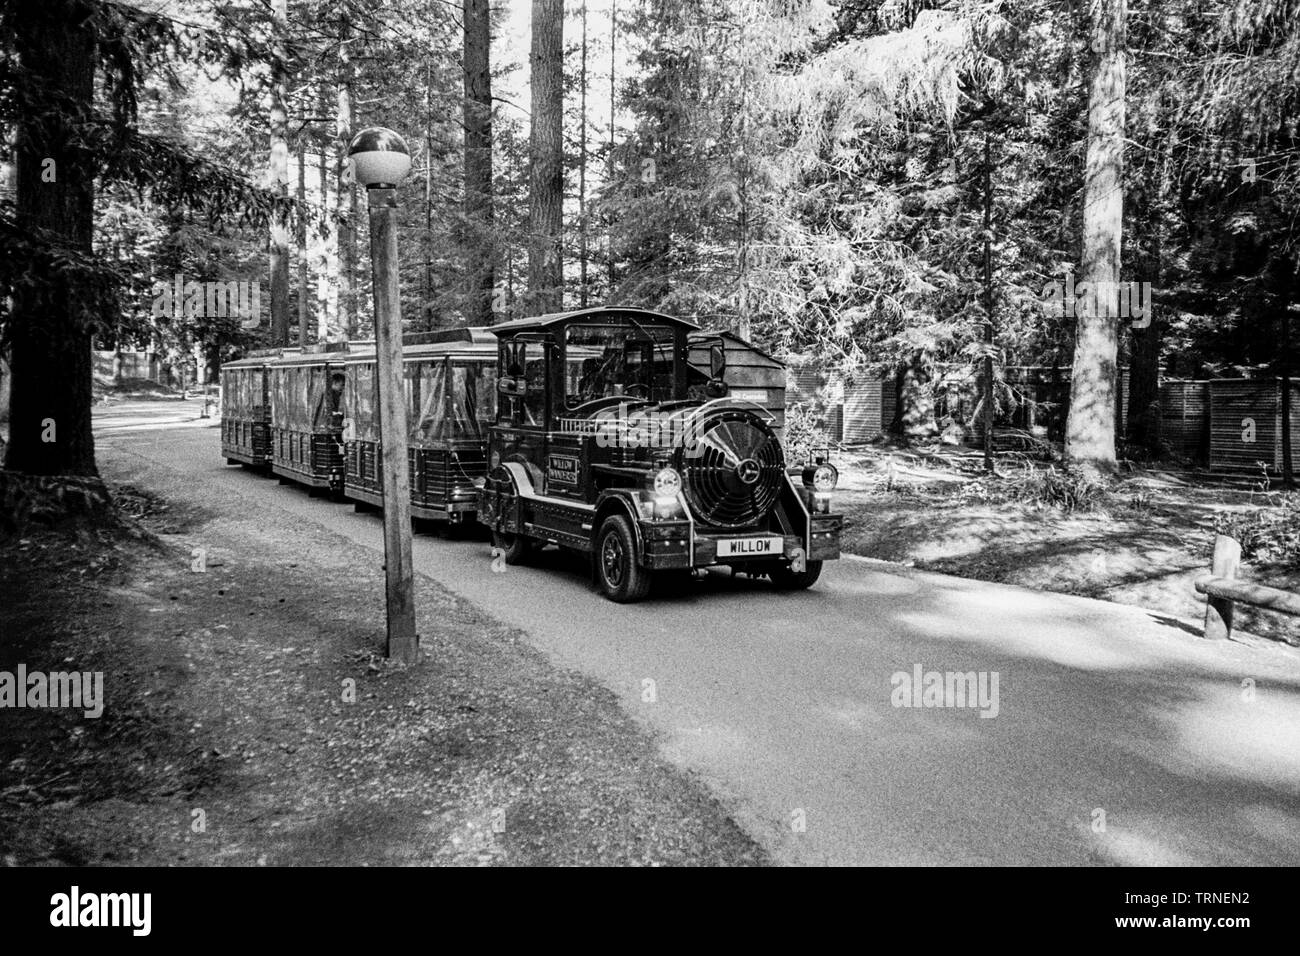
(822, 477)
(825, 478)
(667, 483)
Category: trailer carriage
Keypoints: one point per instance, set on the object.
(306, 394)
(450, 379)
(246, 409)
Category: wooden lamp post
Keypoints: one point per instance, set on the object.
(380, 160)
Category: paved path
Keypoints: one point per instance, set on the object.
(781, 704)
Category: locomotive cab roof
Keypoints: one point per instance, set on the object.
(557, 320)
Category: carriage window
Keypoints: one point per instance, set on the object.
(428, 382)
(327, 387)
(472, 391)
(361, 402)
(626, 359)
(280, 415)
(250, 389)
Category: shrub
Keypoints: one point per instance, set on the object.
(1266, 534)
(805, 435)
(1066, 488)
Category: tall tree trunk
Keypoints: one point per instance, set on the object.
(917, 401)
(50, 339)
(1144, 378)
(279, 179)
(304, 312)
(609, 156)
(481, 246)
(426, 309)
(327, 271)
(988, 305)
(1288, 464)
(582, 167)
(1090, 430)
(346, 193)
(546, 159)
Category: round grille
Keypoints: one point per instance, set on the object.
(733, 474)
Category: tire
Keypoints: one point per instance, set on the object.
(620, 577)
(786, 580)
(516, 548)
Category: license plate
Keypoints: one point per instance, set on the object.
(750, 547)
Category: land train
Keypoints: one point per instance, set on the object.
(612, 432)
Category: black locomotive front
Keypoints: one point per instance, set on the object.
(606, 441)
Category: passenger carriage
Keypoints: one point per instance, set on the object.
(246, 409)
(450, 378)
(306, 427)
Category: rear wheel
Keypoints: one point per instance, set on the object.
(515, 548)
(787, 580)
(620, 577)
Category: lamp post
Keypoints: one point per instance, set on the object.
(380, 160)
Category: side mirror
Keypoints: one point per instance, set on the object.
(717, 361)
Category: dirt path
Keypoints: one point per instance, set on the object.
(248, 722)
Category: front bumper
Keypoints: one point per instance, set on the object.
(668, 544)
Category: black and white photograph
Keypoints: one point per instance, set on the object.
(650, 433)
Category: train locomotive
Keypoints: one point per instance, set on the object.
(601, 431)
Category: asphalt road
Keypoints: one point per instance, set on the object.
(1119, 738)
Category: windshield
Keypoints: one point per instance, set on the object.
(601, 361)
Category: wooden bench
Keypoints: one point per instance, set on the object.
(1223, 590)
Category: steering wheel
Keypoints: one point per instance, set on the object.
(628, 389)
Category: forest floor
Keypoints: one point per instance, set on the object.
(247, 719)
(1144, 541)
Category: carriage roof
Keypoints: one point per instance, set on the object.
(475, 342)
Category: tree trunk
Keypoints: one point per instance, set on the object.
(50, 338)
(582, 167)
(609, 157)
(917, 401)
(279, 179)
(327, 273)
(988, 305)
(1144, 377)
(1090, 430)
(346, 193)
(546, 154)
(481, 271)
(304, 312)
(1288, 465)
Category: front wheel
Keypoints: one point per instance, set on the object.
(787, 580)
(620, 577)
